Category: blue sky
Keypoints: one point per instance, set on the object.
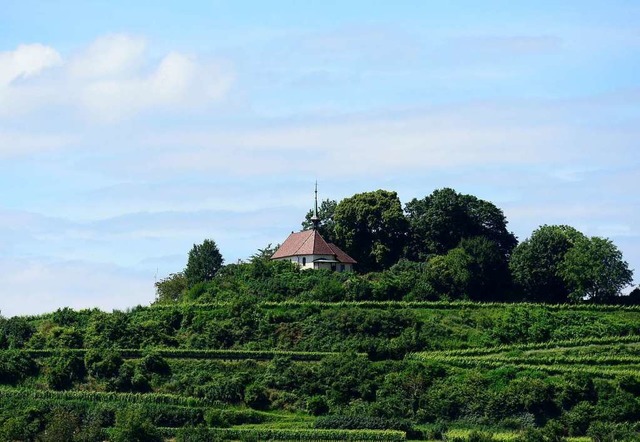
(131, 130)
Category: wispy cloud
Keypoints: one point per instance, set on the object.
(488, 134)
(39, 286)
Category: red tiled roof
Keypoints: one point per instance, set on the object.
(309, 242)
(342, 256)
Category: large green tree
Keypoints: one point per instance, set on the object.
(535, 263)
(441, 220)
(204, 262)
(594, 269)
(372, 228)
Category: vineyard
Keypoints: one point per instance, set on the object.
(323, 371)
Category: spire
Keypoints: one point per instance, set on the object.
(315, 219)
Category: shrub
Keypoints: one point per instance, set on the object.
(152, 362)
(103, 363)
(612, 432)
(317, 405)
(132, 425)
(255, 397)
(61, 426)
(15, 366)
(63, 370)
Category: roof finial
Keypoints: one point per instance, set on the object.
(315, 219)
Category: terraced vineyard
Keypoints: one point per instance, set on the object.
(322, 371)
(605, 357)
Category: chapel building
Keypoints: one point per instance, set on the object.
(309, 250)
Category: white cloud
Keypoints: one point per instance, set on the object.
(26, 61)
(109, 56)
(115, 78)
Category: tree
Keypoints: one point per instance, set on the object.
(326, 227)
(634, 296)
(449, 275)
(535, 263)
(371, 227)
(594, 269)
(264, 254)
(438, 222)
(490, 276)
(171, 288)
(204, 262)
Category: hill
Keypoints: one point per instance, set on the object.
(370, 370)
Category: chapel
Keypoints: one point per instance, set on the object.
(309, 250)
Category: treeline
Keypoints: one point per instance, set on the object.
(446, 246)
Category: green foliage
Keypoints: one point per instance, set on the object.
(64, 370)
(132, 425)
(62, 425)
(103, 363)
(490, 279)
(171, 288)
(613, 432)
(438, 222)
(523, 324)
(594, 269)
(362, 423)
(535, 263)
(558, 264)
(14, 332)
(317, 405)
(204, 262)
(258, 434)
(449, 275)
(153, 362)
(16, 366)
(255, 396)
(560, 368)
(371, 228)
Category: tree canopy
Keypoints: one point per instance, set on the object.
(438, 222)
(372, 229)
(535, 263)
(594, 269)
(204, 262)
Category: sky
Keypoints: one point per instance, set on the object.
(130, 131)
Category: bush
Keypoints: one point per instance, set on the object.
(154, 363)
(63, 370)
(103, 363)
(15, 366)
(61, 425)
(317, 405)
(15, 332)
(437, 431)
(132, 425)
(255, 397)
(612, 432)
